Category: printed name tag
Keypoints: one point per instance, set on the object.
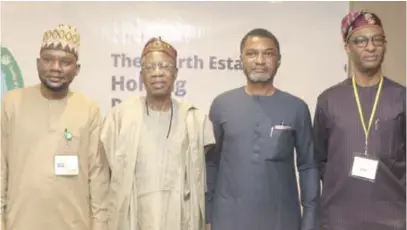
(364, 168)
(66, 165)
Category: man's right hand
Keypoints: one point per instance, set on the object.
(208, 227)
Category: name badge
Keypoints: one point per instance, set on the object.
(66, 165)
(364, 167)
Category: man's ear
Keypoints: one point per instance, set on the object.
(38, 63)
(78, 69)
(347, 48)
(175, 75)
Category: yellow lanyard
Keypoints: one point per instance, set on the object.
(362, 119)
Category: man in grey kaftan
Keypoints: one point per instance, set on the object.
(251, 176)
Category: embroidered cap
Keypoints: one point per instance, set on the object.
(64, 37)
(356, 20)
(157, 44)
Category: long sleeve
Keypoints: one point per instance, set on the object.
(403, 134)
(110, 129)
(212, 160)
(4, 164)
(308, 169)
(98, 175)
(321, 135)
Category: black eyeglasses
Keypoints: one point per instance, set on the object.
(161, 66)
(362, 41)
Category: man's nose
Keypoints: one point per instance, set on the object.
(55, 66)
(157, 72)
(260, 59)
(370, 46)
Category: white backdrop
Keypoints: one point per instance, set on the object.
(309, 33)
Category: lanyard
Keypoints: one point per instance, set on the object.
(372, 114)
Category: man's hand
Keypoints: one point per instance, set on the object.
(208, 227)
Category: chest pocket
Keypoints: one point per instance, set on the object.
(280, 143)
(391, 135)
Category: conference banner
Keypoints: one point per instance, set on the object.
(207, 36)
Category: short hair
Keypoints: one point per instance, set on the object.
(259, 32)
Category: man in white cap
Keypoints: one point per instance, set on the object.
(52, 175)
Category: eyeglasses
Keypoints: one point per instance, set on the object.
(362, 41)
(161, 66)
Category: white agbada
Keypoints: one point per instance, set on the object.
(157, 183)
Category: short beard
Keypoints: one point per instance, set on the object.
(264, 80)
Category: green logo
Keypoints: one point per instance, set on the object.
(11, 76)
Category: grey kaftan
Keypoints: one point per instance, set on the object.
(251, 177)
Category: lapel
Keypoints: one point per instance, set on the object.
(127, 149)
(196, 160)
